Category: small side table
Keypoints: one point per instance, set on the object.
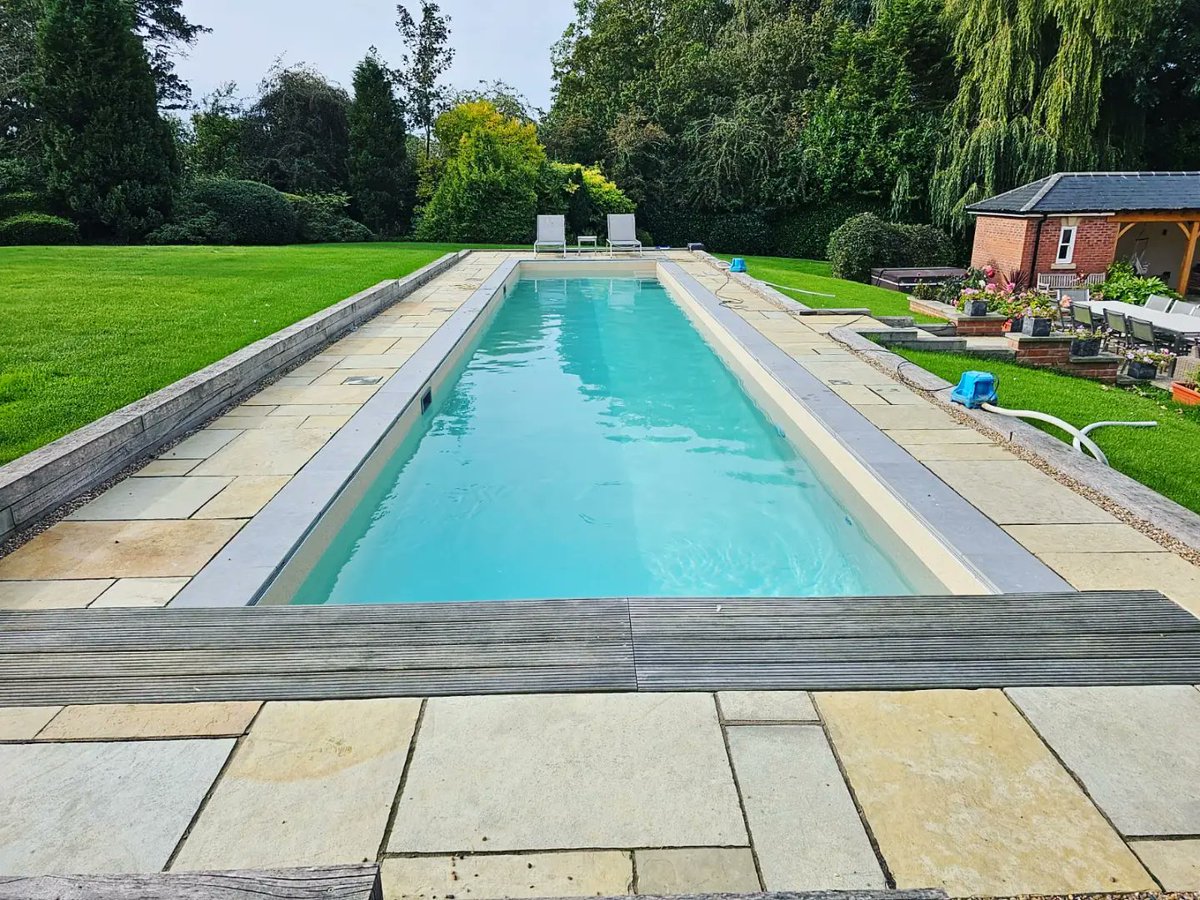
(586, 240)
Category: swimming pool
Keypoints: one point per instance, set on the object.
(594, 444)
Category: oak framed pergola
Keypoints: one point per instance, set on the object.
(1188, 222)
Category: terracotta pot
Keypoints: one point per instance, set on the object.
(1184, 395)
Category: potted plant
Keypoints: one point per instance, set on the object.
(1086, 341)
(1038, 316)
(1143, 365)
(1186, 393)
(973, 302)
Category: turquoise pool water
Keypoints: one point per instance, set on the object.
(596, 446)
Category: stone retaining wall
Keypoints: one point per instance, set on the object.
(965, 326)
(42, 481)
(1054, 352)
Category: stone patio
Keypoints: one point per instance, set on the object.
(1091, 790)
(979, 792)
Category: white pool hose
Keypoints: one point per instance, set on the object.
(1080, 440)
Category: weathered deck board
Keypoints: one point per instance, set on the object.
(330, 883)
(265, 653)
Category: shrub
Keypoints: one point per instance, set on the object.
(322, 219)
(1124, 285)
(804, 232)
(865, 242)
(18, 202)
(37, 228)
(229, 211)
(746, 232)
(486, 194)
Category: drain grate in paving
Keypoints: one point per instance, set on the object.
(363, 379)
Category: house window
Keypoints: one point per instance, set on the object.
(1066, 245)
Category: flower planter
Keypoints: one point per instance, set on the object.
(1185, 395)
(1141, 371)
(1016, 324)
(1085, 347)
(1036, 326)
(976, 308)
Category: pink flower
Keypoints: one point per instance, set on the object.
(989, 271)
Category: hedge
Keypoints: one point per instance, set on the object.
(229, 211)
(37, 228)
(867, 242)
(322, 219)
(17, 202)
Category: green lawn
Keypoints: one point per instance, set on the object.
(797, 275)
(86, 330)
(1166, 458)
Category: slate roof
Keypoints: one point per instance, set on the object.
(1084, 192)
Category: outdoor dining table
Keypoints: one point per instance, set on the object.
(1173, 323)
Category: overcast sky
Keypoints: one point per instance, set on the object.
(507, 39)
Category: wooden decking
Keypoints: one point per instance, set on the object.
(277, 652)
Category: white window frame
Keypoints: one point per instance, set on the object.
(1067, 243)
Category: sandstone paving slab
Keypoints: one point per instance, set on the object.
(1012, 492)
(266, 452)
(393, 360)
(158, 468)
(1114, 538)
(1135, 749)
(1176, 864)
(858, 395)
(916, 437)
(129, 592)
(604, 873)
(907, 417)
(150, 498)
(696, 870)
(307, 410)
(51, 593)
(318, 365)
(926, 452)
(129, 721)
(354, 346)
(766, 706)
(201, 445)
(899, 394)
(1172, 575)
(21, 723)
(329, 423)
(245, 497)
(564, 772)
(265, 422)
(246, 412)
(312, 784)
(315, 393)
(803, 823)
(112, 807)
(961, 794)
(339, 376)
(158, 549)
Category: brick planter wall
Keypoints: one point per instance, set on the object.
(964, 326)
(1054, 352)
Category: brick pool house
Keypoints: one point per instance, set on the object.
(1072, 226)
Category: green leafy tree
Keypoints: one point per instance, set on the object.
(379, 171)
(216, 146)
(1031, 96)
(427, 58)
(296, 136)
(108, 157)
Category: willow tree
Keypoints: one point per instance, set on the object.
(1031, 93)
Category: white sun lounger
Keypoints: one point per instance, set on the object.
(622, 233)
(551, 234)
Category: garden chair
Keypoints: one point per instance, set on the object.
(1185, 308)
(551, 234)
(1141, 332)
(1158, 303)
(622, 233)
(1082, 315)
(1118, 332)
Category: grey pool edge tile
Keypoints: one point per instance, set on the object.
(242, 571)
(992, 554)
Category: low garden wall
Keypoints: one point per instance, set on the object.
(51, 476)
(1054, 352)
(965, 326)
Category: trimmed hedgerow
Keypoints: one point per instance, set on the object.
(37, 229)
(229, 211)
(867, 242)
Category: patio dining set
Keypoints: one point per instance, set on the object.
(1162, 322)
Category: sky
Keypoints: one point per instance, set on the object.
(507, 39)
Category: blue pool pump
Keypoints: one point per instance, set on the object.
(738, 265)
(975, 389)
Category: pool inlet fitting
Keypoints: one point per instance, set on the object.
(977, 390)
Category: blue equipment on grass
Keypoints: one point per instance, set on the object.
(738, 265)
(975, 389)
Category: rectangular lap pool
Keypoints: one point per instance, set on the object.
(590, 442)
